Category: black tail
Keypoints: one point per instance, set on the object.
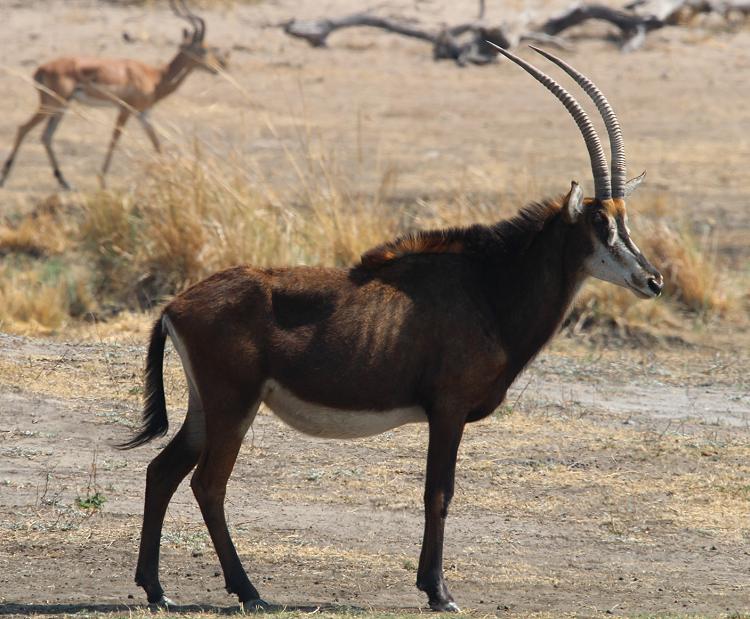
(155, 421)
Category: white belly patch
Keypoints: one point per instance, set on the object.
(325, 422)
(92, 101)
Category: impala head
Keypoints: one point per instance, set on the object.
(612, 254)
(208, 58)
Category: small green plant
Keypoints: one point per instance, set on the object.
(92, 502)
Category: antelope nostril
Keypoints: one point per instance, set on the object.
(655, 285)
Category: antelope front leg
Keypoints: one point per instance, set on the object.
(149, 129)
(122, 118)
(445, 437)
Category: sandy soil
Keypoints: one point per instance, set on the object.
(615, 480)
(588, 493)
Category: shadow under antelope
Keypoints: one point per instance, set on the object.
(432, 327)
(131, 86)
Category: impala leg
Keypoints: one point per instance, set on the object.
(164, 475)
(122, 118)
(445, 437)
(49, 131)
(150, 132)
(20, 135)
(209, 483)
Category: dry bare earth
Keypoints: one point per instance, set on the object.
(618, 483)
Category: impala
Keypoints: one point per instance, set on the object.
(131, 86)
(429, 328)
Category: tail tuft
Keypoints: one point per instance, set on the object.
(155, 422)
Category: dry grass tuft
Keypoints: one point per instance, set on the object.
(186, 220)
(42, 233)
(188, 216)
(692, 275)
(41, 298)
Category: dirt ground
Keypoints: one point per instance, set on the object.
(616, 478)
(609, 482)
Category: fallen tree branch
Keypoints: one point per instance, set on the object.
(626, 22)
(317, 31)
(468, 43)
(464, 43)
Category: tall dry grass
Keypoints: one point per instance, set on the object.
(187, 217)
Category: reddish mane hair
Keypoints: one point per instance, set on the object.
(506, 235)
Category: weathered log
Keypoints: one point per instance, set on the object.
(468, 43)
(627, 22)
(642, 16)
(677, 12)
(727, 9)
(317, 31)
(465, 43)
(666, 11)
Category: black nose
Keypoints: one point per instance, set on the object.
(655, 285)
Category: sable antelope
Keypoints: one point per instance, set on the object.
(432, 327)
(131, 86)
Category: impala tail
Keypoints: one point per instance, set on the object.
(155, 422)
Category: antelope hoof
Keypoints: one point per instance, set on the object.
(254, 606)
(444, 606)
(164, 603)
(61, 181)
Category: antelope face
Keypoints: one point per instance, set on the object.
(614, 257)
(213, 59)
(205, 57)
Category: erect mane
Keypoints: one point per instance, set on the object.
(505, 236)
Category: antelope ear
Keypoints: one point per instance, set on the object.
(573, 203)
(633, 183)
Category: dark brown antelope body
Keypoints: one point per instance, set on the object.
(396, 334)
(433, 328)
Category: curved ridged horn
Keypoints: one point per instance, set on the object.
(602, 187)
(616, 145)
(200, 23)
(179, 9)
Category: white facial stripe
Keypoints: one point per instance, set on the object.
(633, 246)
(612, 231)
(617, 263)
